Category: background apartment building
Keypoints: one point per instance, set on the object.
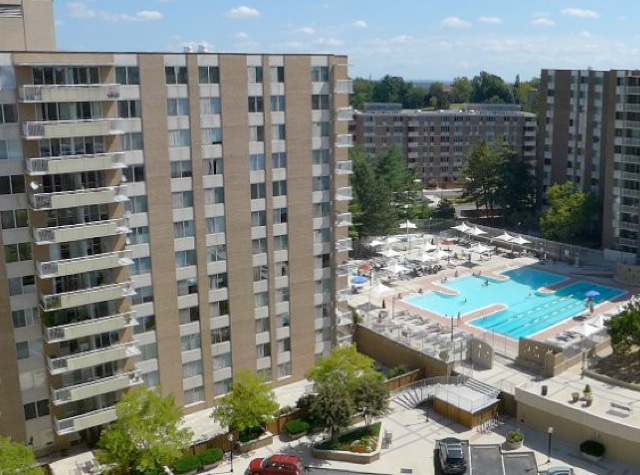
(590, 135)
(167, 219)
(436, 143)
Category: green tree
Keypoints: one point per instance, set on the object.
(624, 329)
(444, 210)
(249, 404)
(146, 435)
(567, 213)
(17, 458)
(390, 89)
(371, 396)
(491, 88)
(343, 366)
(482, 174)
(461, 90)
(437, 97)
(362, 90)
(333, 407)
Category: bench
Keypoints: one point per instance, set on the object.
(620, 408)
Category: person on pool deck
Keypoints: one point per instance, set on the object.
(486, 283)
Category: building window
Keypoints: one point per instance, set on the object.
(8, 114)
(182, 199)
(319, 73)
(320, 102)
(212, 166)
(36, 409)
(193, 368)
(11, 184)
(259, 245)
(17, 252)
(219, 308)
(280, 215)
(261, 299)
(145, 324)
(284, 345)
(279, 187)
(210, 105)
(279, 160)
(183, 229)
(129, 109)
(321, 210)
(284, 370)
(128, 75)
(194, 395)
(321, 129)
(321, 156)
(258, 218)
(148, 351)
(258, 191)
(321, 183)
(143, 295)
(260, 273)
(14, 218)
(283, 320)
(139, 235)
(211, 135)
(25, 318)
(175, 75)
(22, 285)
(222, 387)
(152, 379)
(218, 281)
(137, 204)
(256, 104)
(256, 133)
(209, 75)
(222, 361)
(190, 342)
(254, 74)
(262, 325)
(10, 149)
(134, 173)
(131, 141)
(215, 225)
(278, 132)
(216, 253)
(179, 138)
(281, 243)
(22, 350)
(277, 104)
(263, 350)
(282, 294)
(220, 335)
(257, 162)
(189, 315)
(181, 169)
(186, 258)
(177, 107)
(141, 265)
(187, 286)
(276, 74)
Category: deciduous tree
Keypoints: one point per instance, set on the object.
(147, 434)
(567, 213)
(17, 459)
(624, 329)
(371, 396)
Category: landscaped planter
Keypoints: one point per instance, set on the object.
(262, 441)
(590, 458)
(348, 456)
(592, 450)
(514, 441)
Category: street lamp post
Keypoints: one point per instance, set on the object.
(549, 433)
(230, 439)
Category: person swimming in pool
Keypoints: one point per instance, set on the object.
(486, 283)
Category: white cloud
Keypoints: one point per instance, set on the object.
(148, 15)
(306, 30)
(585, 34)
(542, 22)
(242, 12)
(360, 24)
(241, 35)
(400, 40)
(328, 42)
(579, 13)
(490, 19)
(455, 22)
(80, 10)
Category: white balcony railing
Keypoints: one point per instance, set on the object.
(78, 232)
(96, 387)
(75, 198)
(88, 296)
(95, 357)
(342, 270)
(75, 163)
(344, 194)
(344, 140)
(54, 129)
(343, 245)
(84, 421)
(343, 86)
(108, 260)
(344, 114)
(343, 220)
(93, 326)
(69, 92)
(344, 167)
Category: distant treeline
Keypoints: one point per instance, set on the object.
(483, 88)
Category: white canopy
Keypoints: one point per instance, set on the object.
(429, 247)
(395, 268)
(389, 253)
(586, 329)
(376, 243)
(599, 321)
(440, 254)
(379, 288)
(475, 231)
(519, 240)
(391, 240)
(479, 248)
(461, 227)
(506, 237)
(426, 257)
(408, 225)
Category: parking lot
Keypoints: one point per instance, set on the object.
(488, 459)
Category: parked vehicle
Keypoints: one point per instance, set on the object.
(277, 464)
(451, 453)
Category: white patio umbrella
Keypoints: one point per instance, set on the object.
(475, 231)
(506, 237)
(426, 257)
(408, 225)
(586, 329)
(376, 243)
(520, 240)
(429, 247)
(395, 268)
(379, 288)
(599, 321)
(440, 254)
(391, 240)
(389, 253)
(479, 248)
(463, 228)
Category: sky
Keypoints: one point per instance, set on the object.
(415, 39)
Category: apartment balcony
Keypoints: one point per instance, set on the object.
(94, 326)
(56, 129)
(69, 93)
(343, 295)
(344, 140)
(84, 421)
(344, 194)
(342, 270)
(75, 198)
(96, 387)
(78, 232)
(343, 86)
(343, 317)
(344, 245)
(344, 167)
(78, 298)
(344, 220)
(79, 265)
(344, 114)
(88, 359)
(75, 163)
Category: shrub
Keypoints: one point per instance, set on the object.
(186, 464)
(210, 456)
(514, 436)
(296, 426)
(355, 440)
(250, 434)
(397, 371)
(304, 402)
(285, 410)
(592, 447)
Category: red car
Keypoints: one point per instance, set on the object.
(277, 464)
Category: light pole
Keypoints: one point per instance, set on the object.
(230, 439)
(549, 433)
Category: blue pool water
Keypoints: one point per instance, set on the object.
(528, 311)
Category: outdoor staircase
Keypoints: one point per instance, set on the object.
(482, 388)
(416, 394)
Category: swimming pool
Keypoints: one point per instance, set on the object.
(528, 311)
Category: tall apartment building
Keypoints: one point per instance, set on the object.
(435, 143)
(167, 219)
(590, 135)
